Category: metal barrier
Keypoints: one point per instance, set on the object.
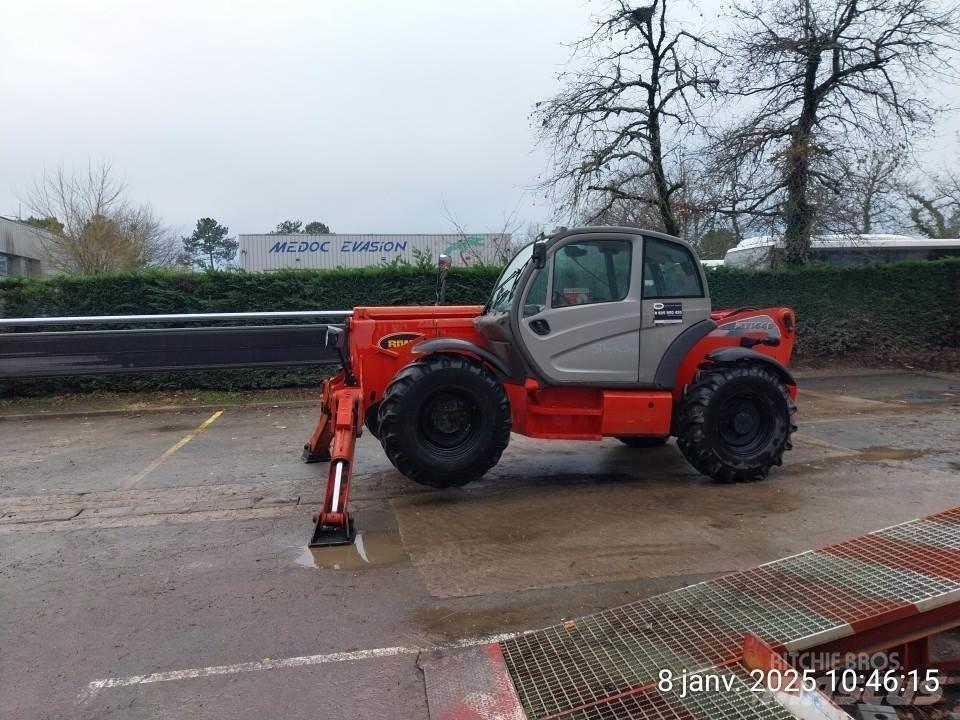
(181, 317)
(102, 352)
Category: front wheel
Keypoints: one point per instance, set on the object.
(735, 422)
(372, 420)
(444, 420)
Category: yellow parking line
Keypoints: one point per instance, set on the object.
(132, 482)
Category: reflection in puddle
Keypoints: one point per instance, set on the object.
(369, 548)
(889, 453)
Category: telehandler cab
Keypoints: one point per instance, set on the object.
(589, 333)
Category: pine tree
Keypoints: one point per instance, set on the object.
(209, 247)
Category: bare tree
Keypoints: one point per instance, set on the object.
(933, 218)
(698, 205)
(936, 213)
(617, 127)
(816, 76)
(876, 183)
(868, 195)
(92, 229)
(626, 210)
(470, 248)
(526, 236)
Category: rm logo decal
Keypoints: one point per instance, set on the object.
(397, 340)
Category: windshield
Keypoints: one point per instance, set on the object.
(507, 282)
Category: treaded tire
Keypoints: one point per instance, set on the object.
(718, 405)
(414, 441)
(642, 442)
(372, 420)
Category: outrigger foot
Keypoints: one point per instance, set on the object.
(329, 535)
(309, 455)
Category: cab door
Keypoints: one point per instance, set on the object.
(579, 321)
(675, 299)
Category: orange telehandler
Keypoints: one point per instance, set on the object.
(590, 332)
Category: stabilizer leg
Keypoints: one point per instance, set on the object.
(334, 525)
(318, 448)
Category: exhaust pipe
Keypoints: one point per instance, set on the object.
(443, 268)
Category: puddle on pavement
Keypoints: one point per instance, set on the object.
(370, 548)
(180, 427)
(167, 428)
(888, 453)
(459, 622)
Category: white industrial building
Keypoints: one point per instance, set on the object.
(766, 251)
(276, 252)
(20, 249)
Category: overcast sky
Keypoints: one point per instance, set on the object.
(364, 114)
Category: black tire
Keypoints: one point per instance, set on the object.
(372, 420)
(642, 442)
(444, 420)
(735, 422)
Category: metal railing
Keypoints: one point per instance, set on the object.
(40, 354)
(178, 317)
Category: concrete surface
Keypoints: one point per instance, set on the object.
(125, 551)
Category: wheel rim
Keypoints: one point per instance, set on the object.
(448, 419)
(745, 424)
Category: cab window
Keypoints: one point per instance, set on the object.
(507, 282)
(592, 271)
(536, 300)
(669, 271)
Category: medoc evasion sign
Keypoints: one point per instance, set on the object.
(275, 252)
(346, 246)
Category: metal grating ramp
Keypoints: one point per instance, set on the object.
(737, 704)
(605, 666)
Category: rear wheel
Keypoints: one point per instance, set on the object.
(642, 442)
(735, 422)
(444, 420)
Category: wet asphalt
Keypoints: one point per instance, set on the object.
(126, 552)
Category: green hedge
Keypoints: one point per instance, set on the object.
(170, 292)
(884, 309)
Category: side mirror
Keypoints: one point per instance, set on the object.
(539, 255)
